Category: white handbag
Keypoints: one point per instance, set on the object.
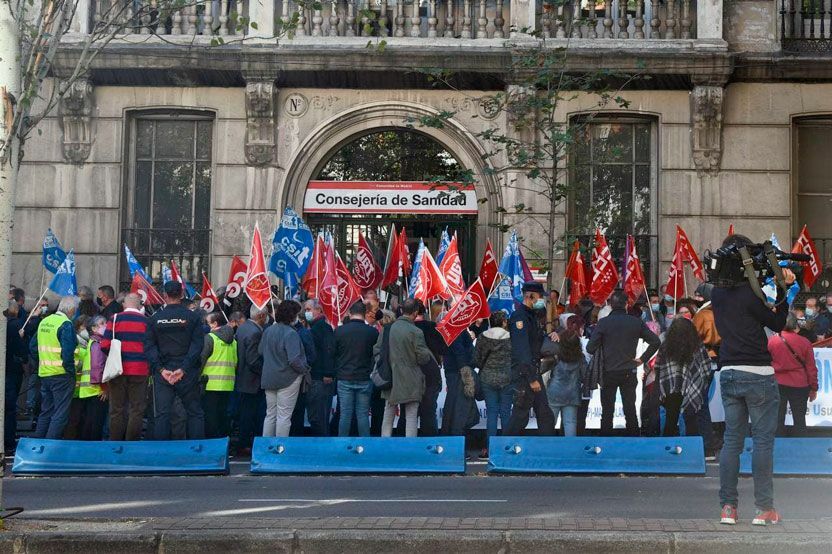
(112, 367)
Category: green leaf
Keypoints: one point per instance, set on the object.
(253, 25)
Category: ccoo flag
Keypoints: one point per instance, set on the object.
(257, 286)
(208, 300)
(291, 249)
(53, 254)
(64, 283)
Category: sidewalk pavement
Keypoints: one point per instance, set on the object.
(403, 535)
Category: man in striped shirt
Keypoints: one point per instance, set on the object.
(128, 392)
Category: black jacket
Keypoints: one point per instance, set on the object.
(249, 361)
(354, 342)
(526, 340)
(618, 334)
(174, 340)
(740, 318)
(324, 338)
(436, 345)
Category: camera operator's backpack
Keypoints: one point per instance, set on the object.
(382, 375)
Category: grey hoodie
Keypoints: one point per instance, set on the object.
(224, 333)
(493, 357)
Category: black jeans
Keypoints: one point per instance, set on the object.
(798, 399)
(215, 406)
(319, 407)
(524, 400)
(672, 406)
(626, 382)
(251, 417)
(189, 391)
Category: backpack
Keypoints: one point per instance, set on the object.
(382, 374)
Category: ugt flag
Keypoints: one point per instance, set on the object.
(64, 283)
(53, 254)
(291, 248)
(510, 285)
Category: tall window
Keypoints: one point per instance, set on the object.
(169, 201)
(812, 137)
(613, 184)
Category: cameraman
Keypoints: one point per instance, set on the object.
(748, 389)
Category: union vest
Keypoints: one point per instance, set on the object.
(221, 366)
(84, 386)
(49, 347)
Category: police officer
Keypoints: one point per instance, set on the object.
(53, 348)
(173, 346)
(526, 341)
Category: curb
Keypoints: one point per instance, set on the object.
(419, 542)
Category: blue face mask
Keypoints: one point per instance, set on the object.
(810, 312)
(539, 304)
(655, 307)
(309, 316)
(668, 298)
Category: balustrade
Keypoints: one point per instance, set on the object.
(156, 17)
(621, 19)
(806, 24)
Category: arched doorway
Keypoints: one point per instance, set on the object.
(388, 164)
(357, 144)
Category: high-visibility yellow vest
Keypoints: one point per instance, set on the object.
(49, 347)
(78, 356)
(221, 366)
(84, 384)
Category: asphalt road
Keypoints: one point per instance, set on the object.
(472, 495)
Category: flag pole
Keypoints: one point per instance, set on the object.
(32, 312)
(649, 307)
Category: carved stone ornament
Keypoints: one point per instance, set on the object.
(261, 142)
(706, 115)
(75, 111)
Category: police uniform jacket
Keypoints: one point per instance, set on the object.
(526, 340)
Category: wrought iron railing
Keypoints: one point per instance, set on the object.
(189, 248)
(806, 25)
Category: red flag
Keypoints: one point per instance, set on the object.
(327, 281)
(431, 283)
(634, 284)
(689, 254)
(604, 274)
(488, 268)
(404, 256)
(814, 267)
(451, 269)
(175, 275)
(149, 295)
(208, 300)
(257, 287)
(527, 272)
(392, 262)
(236, 279)
(730, 229)
(576, 273)
(676, 274)
(348, 291)
(309, 283)
(365, 269)
(473, 305)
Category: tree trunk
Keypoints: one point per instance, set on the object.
(10, 80)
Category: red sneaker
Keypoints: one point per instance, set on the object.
(764, 517)
(729, 515)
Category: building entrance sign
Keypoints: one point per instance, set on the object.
(388, 197)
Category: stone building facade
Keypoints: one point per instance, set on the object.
(731, 128)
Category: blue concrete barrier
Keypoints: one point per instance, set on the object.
(794, 456)
(59, 457)
(358, 455)
(671, 455)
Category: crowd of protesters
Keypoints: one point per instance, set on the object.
(242, 371)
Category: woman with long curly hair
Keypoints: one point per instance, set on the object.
(682, 371)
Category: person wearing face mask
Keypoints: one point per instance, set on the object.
(526, 340)
(318, 398)
(823, 323)
(89, 405)
(618, 335)
(106, 299)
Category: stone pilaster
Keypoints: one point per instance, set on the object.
(75, 111)
(261, 128)
(706, 127)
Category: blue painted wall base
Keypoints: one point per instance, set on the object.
(358, 455)
(59, 457)
(794, 456)
(671, 455)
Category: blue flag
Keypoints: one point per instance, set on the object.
(64, 283)
(444, 243)
(53, 254)
(167, 276)
(417, 264)
(292, 247)
(134, 266)
(770, 288)
(510, 286)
